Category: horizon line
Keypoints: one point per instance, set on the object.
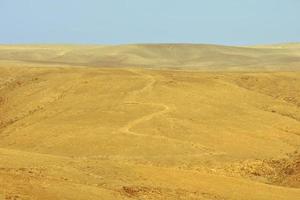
(146, 43)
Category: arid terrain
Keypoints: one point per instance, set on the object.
(150, 122)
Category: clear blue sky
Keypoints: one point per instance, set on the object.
(230, 22)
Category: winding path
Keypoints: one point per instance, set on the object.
(148, 87)
(131, 124)
(165, 109)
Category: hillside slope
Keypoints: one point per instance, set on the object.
(70, 131)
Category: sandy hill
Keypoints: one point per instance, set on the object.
(283, 57)
(136, 128)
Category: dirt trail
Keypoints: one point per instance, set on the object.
(147, 88)
(165, 109)
(131, 124)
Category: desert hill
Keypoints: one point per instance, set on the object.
(206, 57)
(150, 122)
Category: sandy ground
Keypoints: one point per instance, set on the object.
(75, 131)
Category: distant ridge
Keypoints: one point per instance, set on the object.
(195, 56)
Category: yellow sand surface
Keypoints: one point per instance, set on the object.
(146, 122)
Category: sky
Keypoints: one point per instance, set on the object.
(227, 22)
